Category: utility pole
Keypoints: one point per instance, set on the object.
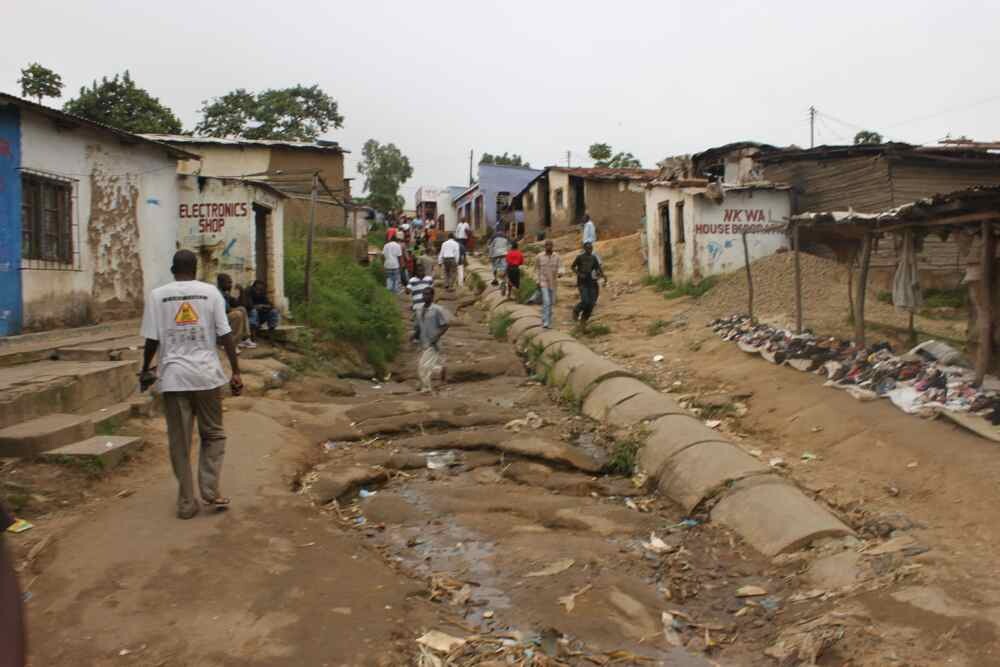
(311, 234)
(470, 165)
(569, 154)
(812, 127)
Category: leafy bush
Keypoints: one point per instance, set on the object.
(349, 304)
(592, 330)
(499, 325)
(475, 281)
(884, 297)
(622, 461)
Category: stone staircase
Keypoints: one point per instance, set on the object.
(62, 394)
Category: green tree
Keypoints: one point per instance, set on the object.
(514, 160)
(385, 168)
(298, 113)
(120, 103)
(38, 82)
(603, 156)
(867, 137)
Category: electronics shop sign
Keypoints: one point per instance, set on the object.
(212, 217)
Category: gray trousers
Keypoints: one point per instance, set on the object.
(181, 409)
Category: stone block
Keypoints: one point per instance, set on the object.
(35, 436)
(695, 473)
(569, 363)
(610, 393)
(111, 416)
(107, 450)
(776, 518)
(521, 326)
(645, 405)
(669, 435)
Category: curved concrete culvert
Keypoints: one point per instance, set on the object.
(698, 472)
(610, 393)
(522, 331)
(669, 435)
(644, 406)
(776, 518)
(584, 377)
(572, 359)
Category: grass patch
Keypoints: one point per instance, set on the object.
(672, 290)
(946, 298)
(349, 304)
(527, 289)
(592, 330)
(884, 297)
(109, 426)
(475, 281)
(499, 324)
(623, 457)
(656, 327)
(376, 237)
(574, 404)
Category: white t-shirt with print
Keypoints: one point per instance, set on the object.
(391, 252)
(186, 317)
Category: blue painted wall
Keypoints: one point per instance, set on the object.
(10, 221)
(494, 179)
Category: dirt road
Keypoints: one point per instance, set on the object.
(362, 522)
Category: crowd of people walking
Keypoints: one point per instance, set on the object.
(414, 250)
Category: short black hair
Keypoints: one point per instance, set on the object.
(185, 262)
(223, 277)
(513, 245)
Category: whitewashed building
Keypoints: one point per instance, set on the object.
(700, 207)
(87, 218)
(235, 226)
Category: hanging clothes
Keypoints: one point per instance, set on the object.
(906, 292)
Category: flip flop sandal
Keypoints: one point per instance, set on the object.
(221, 504)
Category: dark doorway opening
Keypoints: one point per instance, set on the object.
(576, 184)
(261, 215)
(668, 254)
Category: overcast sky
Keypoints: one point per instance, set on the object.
(543, 77)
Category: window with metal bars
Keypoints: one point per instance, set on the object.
(46, 221)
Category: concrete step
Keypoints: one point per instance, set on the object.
(40, 388)
(111, 417)
(31, 347)
(106, 450)
(32, 437)
(114, 349)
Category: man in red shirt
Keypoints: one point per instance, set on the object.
(515, 258)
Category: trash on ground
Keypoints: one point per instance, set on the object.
(530, 420)
(329, 444)
(669, 631)
(365, 493)
(656, 545)
(20, 526)
(809, 456)
(689, 523)
(776, 462)
(657, 358)
(554, 568)
(803, 596)
(438, 460)
(569, 601)
(750, 592)
(439, 641)
(912, 464)
(713, 423)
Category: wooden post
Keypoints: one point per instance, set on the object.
(986, 304)
(746, 261)
(798, 281)
(310, 235)
(862, 288)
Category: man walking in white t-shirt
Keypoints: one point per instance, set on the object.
(462, 235)
(181, 323)
(449, 257)
(391, 254)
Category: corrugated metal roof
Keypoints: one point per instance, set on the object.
(984, 199)
(318, 145)
(123, 135)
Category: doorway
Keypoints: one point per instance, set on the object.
(577, 187)
(668, 253)
(261, 216)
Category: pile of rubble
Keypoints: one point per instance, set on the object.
(929, 378)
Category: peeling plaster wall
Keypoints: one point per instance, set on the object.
(124, 196)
